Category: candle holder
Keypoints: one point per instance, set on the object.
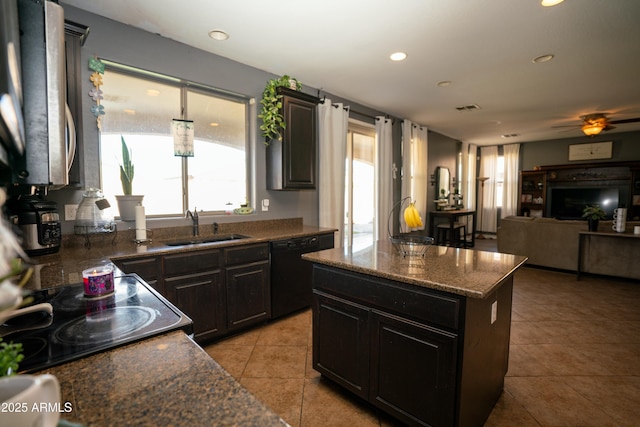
(98, 281)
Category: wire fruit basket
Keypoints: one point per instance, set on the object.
(407, 244)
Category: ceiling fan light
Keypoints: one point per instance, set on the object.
(591, 129)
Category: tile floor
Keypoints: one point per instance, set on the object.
(574, 360)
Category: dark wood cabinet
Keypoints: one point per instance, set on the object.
(341, 342)
(248, 298)
(533, 193)
(247, 284)
(399, 346)
(222, 290)
(148, 268)
(194, 283)
(426, 357)
(291, 161)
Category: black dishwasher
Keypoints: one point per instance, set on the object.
(290, 275)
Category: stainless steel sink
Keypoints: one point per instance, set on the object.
(211, 239)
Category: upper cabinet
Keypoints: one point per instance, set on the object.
(291, 162)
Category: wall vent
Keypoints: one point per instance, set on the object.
(468, 107)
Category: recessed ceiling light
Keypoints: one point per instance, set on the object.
(153, 92)
(214, 124)
(444, 83)
(542, 58)
(398, 56)
(130, 112)
(218, 35)
(547, 3)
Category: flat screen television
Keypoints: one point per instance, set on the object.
(568, 203)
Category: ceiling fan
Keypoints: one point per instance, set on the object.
(594, 123)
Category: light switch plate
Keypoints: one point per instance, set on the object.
(70, 212)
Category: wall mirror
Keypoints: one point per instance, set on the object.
(443, 182)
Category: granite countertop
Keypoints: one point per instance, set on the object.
(65, 266)
(166, 380)
(460, 271)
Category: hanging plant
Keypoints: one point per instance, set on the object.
(271, 112)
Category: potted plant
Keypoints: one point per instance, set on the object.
(593, 214)
(127, 202)
(271, 110)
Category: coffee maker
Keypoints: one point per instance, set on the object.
(39, 224)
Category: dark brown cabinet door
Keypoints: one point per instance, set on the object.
(291, 162)
(194, 283)
(149, 269)
(413, 370)
(341, 342)
(248, 295)
(200, 296)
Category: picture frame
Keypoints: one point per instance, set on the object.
(589, 151)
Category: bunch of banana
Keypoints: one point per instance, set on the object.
(412, 216)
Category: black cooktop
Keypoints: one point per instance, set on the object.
(81, 326)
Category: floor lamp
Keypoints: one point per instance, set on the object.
(480, 204)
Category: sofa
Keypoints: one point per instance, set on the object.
(553, 243)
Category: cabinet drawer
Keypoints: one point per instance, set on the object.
(147, 268)
(246, 254)
(191, 262)
(404, 300)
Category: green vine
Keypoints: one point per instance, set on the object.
(271, 112)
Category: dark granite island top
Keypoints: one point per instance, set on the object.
(425, 339)
(167, 380)
(459, 271)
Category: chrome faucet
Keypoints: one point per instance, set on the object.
(194, 218)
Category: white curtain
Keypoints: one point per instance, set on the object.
(420, 173)
(488, 168)
(414, 168)
(511, 154)
(468, 182)
(333, 126)
(407, 154)
(468, 185)
(384, 172)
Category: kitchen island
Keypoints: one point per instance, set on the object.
(166, 380)
(425, 339)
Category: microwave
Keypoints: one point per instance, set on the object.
(12, 130)
(48, 126)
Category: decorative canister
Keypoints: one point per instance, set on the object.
(98, 281)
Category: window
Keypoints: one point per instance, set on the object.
(140, 106)
(359, 186)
